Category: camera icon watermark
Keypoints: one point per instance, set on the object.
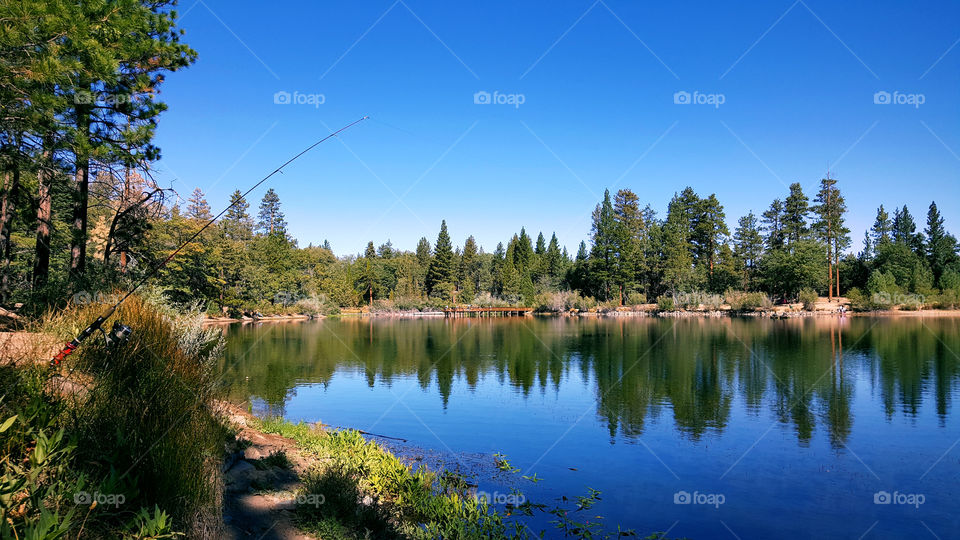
(84, 498)
(497, 98)
(683, 97)
(283, 97)
(906, 499)
(706, 499)
(883, 97)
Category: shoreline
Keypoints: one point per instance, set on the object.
(718, 313)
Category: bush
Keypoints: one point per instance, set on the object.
(747, 301)
(809, 297)
(562, 301)
(948, 299)
(486, 299)
(316, 305)
(665, 303)
(143, 423)
(858, 300)
(697, 299)
(635, 299)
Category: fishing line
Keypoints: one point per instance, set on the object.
(120, 333)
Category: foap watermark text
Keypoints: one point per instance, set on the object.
(299, 98)
(498, 98)
(698, 98)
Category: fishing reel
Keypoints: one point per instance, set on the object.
(118, 335)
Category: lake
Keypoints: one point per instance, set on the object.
(706, 428)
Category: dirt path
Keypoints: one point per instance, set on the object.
(260, 496)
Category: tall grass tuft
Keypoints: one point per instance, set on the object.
(144, 425)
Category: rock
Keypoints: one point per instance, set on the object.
(242, 467)
(230, 461)
(253, 453)
(239, 476)
(238, 420)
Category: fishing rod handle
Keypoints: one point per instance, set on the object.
(75, 342)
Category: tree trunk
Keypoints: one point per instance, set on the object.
(836, 255)
(78, 240)
(11, 188)
(41, 262)
(829, 254)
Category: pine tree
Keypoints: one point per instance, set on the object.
(236, 223)
(710, 230)
(385, 251)
(440, 275)
(197, 206)
(523, 257)
(368, 276)
(630, 232)
(119, 52)
(603, 252)
(469, 275)
(538, 269)
(554, 262)
(748, 247)
(270, 219)
(795, 211)
(773, 225)
(941, 246)
(830, 228)
(677, 265)
(905, 231)
(882, 227)
(496, 270)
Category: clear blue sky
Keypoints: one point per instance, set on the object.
(598, 83)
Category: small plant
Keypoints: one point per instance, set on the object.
(151, 525)
(277, 458)
(665, 303)
(500, 460)
(809, 297)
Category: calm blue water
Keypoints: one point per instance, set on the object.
(780, 428)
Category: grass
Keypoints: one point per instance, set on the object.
(360, 490)
(128, 446)
(401, 502)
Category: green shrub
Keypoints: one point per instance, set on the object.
(809, 297)
(144, 426)
(747, 301)
(665, 303)
(635, 299)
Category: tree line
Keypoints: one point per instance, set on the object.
(248, 261)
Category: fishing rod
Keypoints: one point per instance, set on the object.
(120, 332)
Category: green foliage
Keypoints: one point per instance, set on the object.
(786, 272)
(808, 297)
(440, 274)
(151, 525)
(407, 502)
(747, 301)
(163, 377)
(665, 303)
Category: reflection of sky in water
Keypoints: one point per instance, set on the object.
(698, 413)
